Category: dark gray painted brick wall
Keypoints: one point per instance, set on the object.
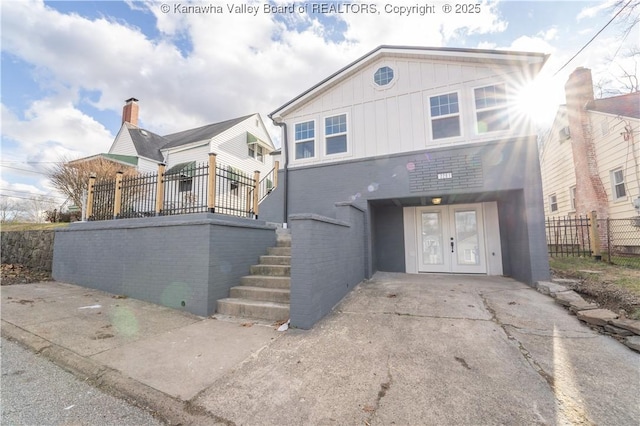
(507, 167)
(388, 237)
(272, 207)
(445, 172)
(193, 259)
(328, 260)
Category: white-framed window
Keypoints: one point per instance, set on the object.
(604, 127)
(257, 152)
(572, 197)
(335, 132)
(492, 114)
(383, 76)
(185, 184)
(304, 139)
(553, 203)
(445, 116)
(617, 183)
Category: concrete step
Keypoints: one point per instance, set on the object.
(270, 311)
(275, 260)
(265, 281)
(283, 242)
(278, 295)
(279, 251)
(271, 270)
(281, 232)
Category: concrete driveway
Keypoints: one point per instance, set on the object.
(435, 349)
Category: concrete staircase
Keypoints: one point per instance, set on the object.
(265, 293)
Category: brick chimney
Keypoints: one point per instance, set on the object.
(130, 111)
(590, 193)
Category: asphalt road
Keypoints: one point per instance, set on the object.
(37, 392)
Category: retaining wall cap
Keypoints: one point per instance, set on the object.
(319, 218)
(350, 204)
(204, 219)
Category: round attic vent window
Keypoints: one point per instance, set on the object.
(383, 76)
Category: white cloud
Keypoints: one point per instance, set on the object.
(53, 127)
(532, 44)
(233, 65)
(590, 12)
(550, 34)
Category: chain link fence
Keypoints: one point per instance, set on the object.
(620, 241)
(616, 241)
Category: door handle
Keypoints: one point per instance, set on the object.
(452, 245)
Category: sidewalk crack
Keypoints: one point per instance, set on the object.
(525, 353)
(384, 388)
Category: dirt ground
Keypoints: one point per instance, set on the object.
(19, 274)
(610, 286)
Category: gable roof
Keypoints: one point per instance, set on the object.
(433, 52)
(127, 160)
(624, 105)
(201, 133)
(149, 144)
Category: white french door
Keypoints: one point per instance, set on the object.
(451, 239)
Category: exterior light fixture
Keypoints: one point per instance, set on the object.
(436, 200)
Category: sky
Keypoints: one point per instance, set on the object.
(67, 66)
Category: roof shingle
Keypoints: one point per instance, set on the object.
(624, 105)
(149, 144)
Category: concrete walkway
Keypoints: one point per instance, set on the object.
(400, 349)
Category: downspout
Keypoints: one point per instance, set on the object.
(285, 143)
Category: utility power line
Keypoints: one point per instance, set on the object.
(24, 170)
(53, 197)
(593, 38)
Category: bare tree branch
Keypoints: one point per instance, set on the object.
(71, 178)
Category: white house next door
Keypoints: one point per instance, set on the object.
(451, 239)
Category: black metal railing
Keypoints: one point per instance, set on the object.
(182, 189)
(568, 236)
(616, 241)
(138, 195)
(234, 190)
(267, 184)
(185, 190)
(103, 200)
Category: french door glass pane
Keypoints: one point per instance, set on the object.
(466, 225)
(432, 238)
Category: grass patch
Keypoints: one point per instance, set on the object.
(580, 267)
(614, 287)
(19, 226)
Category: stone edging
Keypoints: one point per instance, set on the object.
(605, 321)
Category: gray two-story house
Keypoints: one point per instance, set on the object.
(428, 143)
